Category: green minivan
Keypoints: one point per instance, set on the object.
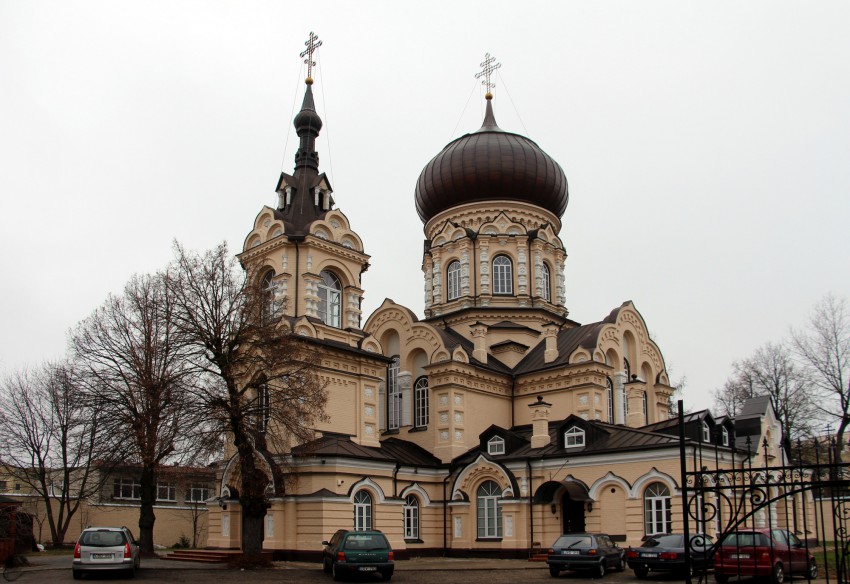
(358, 552)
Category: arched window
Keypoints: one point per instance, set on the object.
(267, 293)
(658, 509)
(330, 299)
(411, 517)
(393, 395)
(489, 510)
(547, 291)
(420, 402)
(453, 281)
(706, 433)
(362, 511)
(725, 436)
(610, 391)
(645, 408)
(627, 370)
(503, 275)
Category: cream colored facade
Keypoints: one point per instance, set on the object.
(489, 426)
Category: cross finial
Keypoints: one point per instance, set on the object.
(311, 45)
(488, 67)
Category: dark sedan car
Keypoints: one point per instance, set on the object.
(666, 553)
(358, 552)
(594, 552)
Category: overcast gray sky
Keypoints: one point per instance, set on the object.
(706, 144)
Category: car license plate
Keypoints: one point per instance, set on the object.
(367, 568)
(739, 556)
(570, 552)
(648, 555)
(101, 556)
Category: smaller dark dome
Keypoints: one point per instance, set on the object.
(307, 119)
(491, 164)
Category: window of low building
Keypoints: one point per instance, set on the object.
(126, 488)
(166, 492)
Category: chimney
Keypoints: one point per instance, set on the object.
(479, 339)
(540, 422)
(550, 333)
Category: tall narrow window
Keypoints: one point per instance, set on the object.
(362, 511)
(330, 299)
(411, 517)
(267, 292)
(420, 402)
(263, 407)
(658, 509)
(645, 408)
(393, 396)
(610, 392)
(706, 433)
(503, 275)
(489, 510)
(725, 436)
(453, 281)
(547, 291)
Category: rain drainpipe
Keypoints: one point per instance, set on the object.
(395, 479)
(530, 506)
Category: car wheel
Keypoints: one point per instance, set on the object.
(642, 573)
(554, 571)
(600, 569)
(131, 573)
(621, 565)
(386, 575)
(335, 572)
(813, 570)
(326, 566)
(778, 574)
(722, 578)
(77, 575)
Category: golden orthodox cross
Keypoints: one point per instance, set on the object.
(311, 45)
(488, 67)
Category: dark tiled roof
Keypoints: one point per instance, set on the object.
(392, 450)
(452, 339)
(673, 423)
(754, 406)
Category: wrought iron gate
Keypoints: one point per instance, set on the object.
(768, 512)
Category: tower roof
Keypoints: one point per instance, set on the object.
(490, 164)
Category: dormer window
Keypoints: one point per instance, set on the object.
(706, 433)
(725, 437)
(496, 445)
(574, 437)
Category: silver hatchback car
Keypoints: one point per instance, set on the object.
(106, 548)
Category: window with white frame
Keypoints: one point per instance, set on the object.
(706, 432)
(166, 492)
(362, 511)
(489, 518)
(124, 488)
(725, 434)
(658, 509)
(197, 492)
(574, 437)
(263, 406)
(268, 292)
(496, 445)
(610, 392)
(420, 402)
(393, 395)
(645, 404)
(411, 517)
(330, 299)
(547, 292)
(453, 281)
(503, 275)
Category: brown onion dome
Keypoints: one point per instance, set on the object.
(490, 164)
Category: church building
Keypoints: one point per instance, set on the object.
(493, 422)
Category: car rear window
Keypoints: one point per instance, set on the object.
(745, 539)
(572, 541)
(371, 541)
(672, 541)
(102, 538)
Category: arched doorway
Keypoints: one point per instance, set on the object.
(572, 513)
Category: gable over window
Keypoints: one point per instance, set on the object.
(496, 445)
(574, 437)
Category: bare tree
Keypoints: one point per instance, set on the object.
(259, 383)
(139, 378)
(824, 350)
(771, 371)
(49, 440)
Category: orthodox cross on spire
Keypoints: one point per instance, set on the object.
(489, 66)
(311, 45)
